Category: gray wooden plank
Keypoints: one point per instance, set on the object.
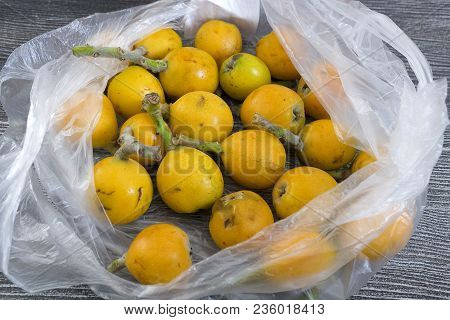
(420, 271)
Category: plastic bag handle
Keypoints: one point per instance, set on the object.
(384, 28)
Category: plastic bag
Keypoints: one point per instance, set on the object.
(54, 232)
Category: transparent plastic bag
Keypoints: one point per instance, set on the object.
(54, 232)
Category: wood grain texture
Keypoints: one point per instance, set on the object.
(420, 271)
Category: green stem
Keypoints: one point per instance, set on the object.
(165, 111)
(181, 140)
(130, 145)
(116, 265)
(281, 133)
(135, 56)
(151, 104)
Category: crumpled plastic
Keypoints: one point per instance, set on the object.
(54, 232)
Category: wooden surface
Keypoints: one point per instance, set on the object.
(420, 271)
